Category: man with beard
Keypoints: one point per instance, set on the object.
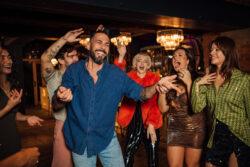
(92, 90)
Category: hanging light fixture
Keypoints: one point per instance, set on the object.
(170, 38)
(124, 39)
(84, 40)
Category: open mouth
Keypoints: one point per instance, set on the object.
(141, 68)
(177, 64)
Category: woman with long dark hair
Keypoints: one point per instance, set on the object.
(185, 130)
(10, 98)
(226, 93)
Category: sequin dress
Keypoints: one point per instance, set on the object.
(185, 128)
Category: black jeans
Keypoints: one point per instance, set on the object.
(224, 144)
(136, 133)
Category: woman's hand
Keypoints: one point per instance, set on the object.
(34, 120)
(151, 132)
(15, 98)
(207, 79)
(185, 76)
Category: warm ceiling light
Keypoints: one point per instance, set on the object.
(85, 40)
(170, 38)
(124, 39)
(54, 61)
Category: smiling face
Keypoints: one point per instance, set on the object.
(99, 47)
(217, 56)
(180, 60)
(142, 64)
(5, 62)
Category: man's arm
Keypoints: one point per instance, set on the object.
(46, 65)
(162, 86)
(26, 157)
(61, 98)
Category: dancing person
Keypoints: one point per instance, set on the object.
(10, 97)
(53, 77)
(142, 120)
(92, 90)
(226, 92)
(185, 130)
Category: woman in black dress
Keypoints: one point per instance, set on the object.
(10, 97)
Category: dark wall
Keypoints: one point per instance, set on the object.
(218, 11)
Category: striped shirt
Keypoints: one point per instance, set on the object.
(231, 105)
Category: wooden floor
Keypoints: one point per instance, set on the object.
(42, 137)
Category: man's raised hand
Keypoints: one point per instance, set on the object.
(72, 36)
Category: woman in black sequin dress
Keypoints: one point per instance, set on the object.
(185, 130)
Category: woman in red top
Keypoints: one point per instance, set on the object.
(142, 120)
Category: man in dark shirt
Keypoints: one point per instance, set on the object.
(92, 90)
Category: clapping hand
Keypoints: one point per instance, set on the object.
(15, 97)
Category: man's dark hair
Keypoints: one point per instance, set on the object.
(96, 32)
(65, 49)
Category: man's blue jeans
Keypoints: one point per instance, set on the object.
(111, 156)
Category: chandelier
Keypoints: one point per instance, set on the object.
(170, 38)
(124, 39)
(84, 40)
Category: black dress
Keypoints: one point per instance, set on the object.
(9, 138)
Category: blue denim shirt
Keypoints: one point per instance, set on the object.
(91, 113)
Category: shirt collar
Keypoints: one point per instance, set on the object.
(98, 72)
(237, 74)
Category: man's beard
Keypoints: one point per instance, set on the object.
(98, 60)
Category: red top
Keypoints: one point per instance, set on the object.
(150, 111)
